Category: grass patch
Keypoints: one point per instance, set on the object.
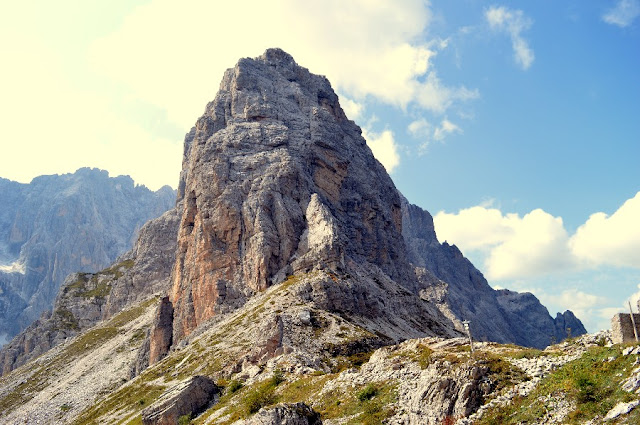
(590, 383)
(184, 419)
(368, 405)
(367, 393)
(422, 355)
(99, 282)
(501, 372)
(131, 314)
(66, 319)
(126, 400)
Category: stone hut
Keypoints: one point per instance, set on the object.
(622, 327)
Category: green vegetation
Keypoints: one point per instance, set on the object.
(367, 393)
(184, 419)
(591, 384)
(421, 355)
(261, 396)
(100, 281)
(503, 373)
(127, 399)
(234, 386)
(128, 316)
(66, 319)
(39, 374)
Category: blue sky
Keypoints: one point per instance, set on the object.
(514, 123)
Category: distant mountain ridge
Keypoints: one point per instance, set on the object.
(461, 291)
(59, 224)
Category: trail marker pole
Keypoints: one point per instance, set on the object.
(633, 322)
(465, 323)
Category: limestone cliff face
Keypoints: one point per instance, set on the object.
(462, 292)
(275, 181)
(61, 224)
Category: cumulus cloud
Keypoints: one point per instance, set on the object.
(384, 148)
(612, 240)
(537, 243)
(623, 14)
(514, 23)
(353, 109)
(515, 246)
(422, 129)
(446, 127)
(175, 57)
(577, 299)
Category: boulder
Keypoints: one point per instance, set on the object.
(285, 414)
(190, 397)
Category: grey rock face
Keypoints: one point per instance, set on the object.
(87, 298)
(162, 331)
(276, 180)
(462, 292)
(284, 414)
(568, 325)
(61, 224)
(188, 398)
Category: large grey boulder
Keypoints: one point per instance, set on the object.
(284, 414)
(187, 398)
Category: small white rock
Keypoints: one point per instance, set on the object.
(621, 409)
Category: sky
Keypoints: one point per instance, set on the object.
(516, 124)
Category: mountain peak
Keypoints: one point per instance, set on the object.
(277, 56)
(273, 149)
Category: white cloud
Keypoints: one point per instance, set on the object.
(537, 243)
(633, 299)
(384, 148)
(474, 228)
(353, 109)
(623, 14)
(612, 240)
(446, 127)
(516, 246)
(513, 22)
(579, 301)
(422, 129)
(174, 57)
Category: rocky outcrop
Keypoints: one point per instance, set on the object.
(284, 414)
(188, 398)
(568, 325)
(460, 290)
(87, 298)
(161, 331)
(276, 180)
(61, 224)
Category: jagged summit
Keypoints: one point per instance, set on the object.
(272, 153)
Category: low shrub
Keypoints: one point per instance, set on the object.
(367, 393)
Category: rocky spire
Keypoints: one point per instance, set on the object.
(275, 181)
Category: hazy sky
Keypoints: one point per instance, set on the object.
(517, 124)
